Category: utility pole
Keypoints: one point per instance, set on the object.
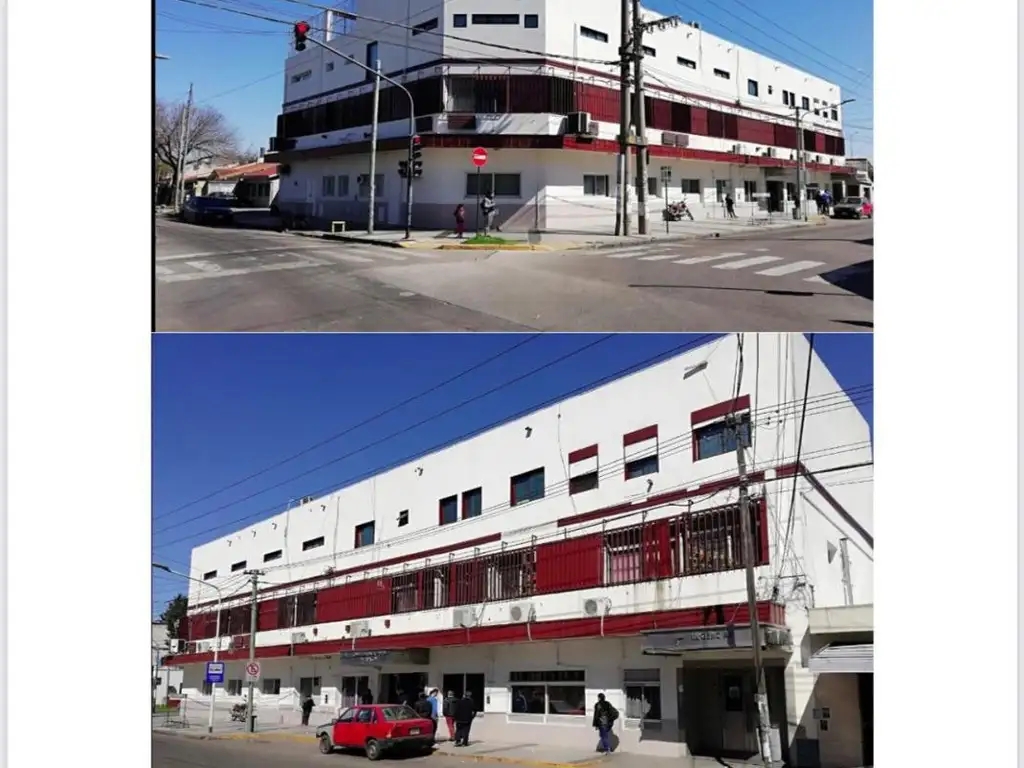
(761, 696)
(179, 190)
(844, 559)
(801, 201)
(622, 169)
(373, 148)
(250, 724)
(640, 117)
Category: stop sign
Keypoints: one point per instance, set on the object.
(479, 157)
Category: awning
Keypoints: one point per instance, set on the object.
(836, 658)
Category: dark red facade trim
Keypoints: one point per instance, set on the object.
(720, 410)
(639, 435)
(583, 453)
(564, 629)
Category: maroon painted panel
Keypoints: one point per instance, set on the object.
(639, 435)
(819, 142)
(266, 617)
(601, 103)
(720, 410)
(583, 453)
(571, 564)
(699, 121)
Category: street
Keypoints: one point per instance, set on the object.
(812, 279)
(181, 752)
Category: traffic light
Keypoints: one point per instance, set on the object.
(403, 168)
(301, 30)
(417, 157)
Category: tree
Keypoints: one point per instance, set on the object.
(174, 614)
(209, 137)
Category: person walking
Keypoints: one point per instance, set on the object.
(460, 220)
(730, 207)
(464, 714)
(307, 709)
(490, 212)
(422, 706)
(605, 716)
(448, 710)
(435, 706)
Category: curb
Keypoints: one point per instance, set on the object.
(485, 247)
(516, 760)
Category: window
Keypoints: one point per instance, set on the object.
(805, 102)
(347, 716)
(271, 686)
(209, 575)
(302, 76)
(689, 186)
(313, 543)
(472, 503)
(817, 111)
(785, 98)
(624, 556)
(643, 695)
(352, 690)
(499, 184)
(595, 185)
(286, 612)
(239, 566)
(712, 541)
(405, 593)
(403, 518)
(689, 63)
(641, 467)
(233, 687)
(718, 438)
(555, 692)
(329, 66)
(305, 609)
(527, 486)
(749, 190)
(342, 188)
(770, 90)
(722, 188)
(531, 21)
(640, 452)
(328, 186)
(371, 60)
(648, 51)
(509, 19)
(652, 186)
(448, 510)
(271, 556)
(583, 483)
(365, 534)
(508, 576)
(459, 684)
(459, 20)
(426, 26)
(309, 686)
(835, 114)
(593, 34)
(364, 185)
(722, 74)
(752, 87)
(207, 688)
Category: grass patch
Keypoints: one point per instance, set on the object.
(489, 240)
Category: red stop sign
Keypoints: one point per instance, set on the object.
(479, 157)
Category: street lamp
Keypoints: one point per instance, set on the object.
(800, 153)
(216, 640)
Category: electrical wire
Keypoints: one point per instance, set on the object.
(354, 427)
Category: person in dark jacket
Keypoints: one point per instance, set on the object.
(605, 716)
(448, 710)
(365, 697)
(464, 714)
(422, 706)
(307, 709)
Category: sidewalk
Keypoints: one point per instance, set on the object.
(567, 241)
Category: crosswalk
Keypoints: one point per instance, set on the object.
(186, 267)
(759, 260)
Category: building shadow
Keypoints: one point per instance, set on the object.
(858, 279)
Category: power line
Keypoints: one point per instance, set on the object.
(820, 409)
(354, 427)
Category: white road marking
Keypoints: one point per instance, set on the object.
(222, 254)
(382, 254)
(350, 258)
(163, 270)
(205, 266)
(761, 250)
(238, 272)
(422, 254)
(788, 269)
(751, 262)
(663, 257)
(705, 259)
(817, 279)
(627, 253)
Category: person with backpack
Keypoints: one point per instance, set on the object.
(448, 711)
(605, 716)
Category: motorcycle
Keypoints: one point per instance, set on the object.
(238, 712)
(676, 212)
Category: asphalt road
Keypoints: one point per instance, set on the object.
(182, 752)
(814, 279)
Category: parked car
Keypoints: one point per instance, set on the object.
(377, 729)
(203, 210)
(853, 208)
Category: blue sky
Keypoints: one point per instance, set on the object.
(226, 406)
(237, 63)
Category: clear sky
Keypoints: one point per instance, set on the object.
(237, 63)
(226, 406)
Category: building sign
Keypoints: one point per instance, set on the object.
(717, 638)
(416, 656)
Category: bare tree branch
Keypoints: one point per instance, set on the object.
(209, 137)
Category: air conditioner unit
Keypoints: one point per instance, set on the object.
(520, 612)
(771, 152)
(577, 123)
(357, 629)
(298, 637)
(737, 149)
(204, 647)
(593, 129)
(463, 617)
(597, 606)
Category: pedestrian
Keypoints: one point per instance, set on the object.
(819, 199)
(605, 716)
(448, 710)
(464, 714)
(730, 207)
(827, 202)
(307, 709)
(490, 212)
(460, 220)
(365, 697)
(435, 706)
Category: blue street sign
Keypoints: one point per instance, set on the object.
(215, 671)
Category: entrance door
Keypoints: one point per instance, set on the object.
(459, 684)
(775, 196)
(866, 695)
(738, 731)
(402, 688)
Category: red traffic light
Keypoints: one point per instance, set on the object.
(415, 139)
(302, 28)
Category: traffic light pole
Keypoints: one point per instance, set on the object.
(412, 121)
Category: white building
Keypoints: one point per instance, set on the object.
(591, 546)
(722, 118)
(166, 679)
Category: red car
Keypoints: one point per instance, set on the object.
(377, 728)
